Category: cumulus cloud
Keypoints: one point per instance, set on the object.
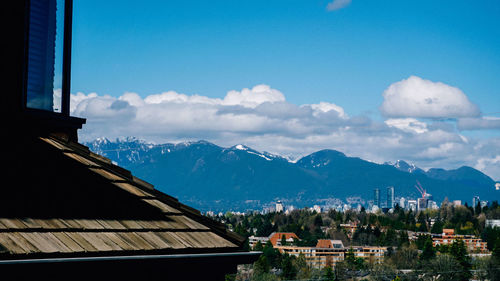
(420, 98)
(262, 118)
(481, 123)
(337, 4)
(411, 125)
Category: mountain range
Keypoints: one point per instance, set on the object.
(209, 177)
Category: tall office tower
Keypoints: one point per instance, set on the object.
(376, 199)
(390, 197)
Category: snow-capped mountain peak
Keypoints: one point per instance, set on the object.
(404, 166)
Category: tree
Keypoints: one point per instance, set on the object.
(459, 252)
(350, 259)
(477, 208)
(289, 270)
(422, 223)
(437, 227)
(406, 257)
(428, 251)
(445, 268)
(283, 240)
(258, 246)
(383, 272)
(303, 270)
(328, 275)
(493, 268)
(340, 270)
(273, 255)
(403, 238)
(496, 249)
(261, 266)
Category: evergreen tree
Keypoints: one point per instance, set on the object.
(261, 266)
(477, 208)
(422, 223)
(283, 240)
(496, 249)
(258, 246)
(437, 227)
(350, 259)
(428, 251)
(289, 270)
(403, 239)
(459, 252)
(329, 275)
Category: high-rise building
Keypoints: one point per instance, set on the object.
(402, 202)
(279, 207)
(422, 203)
(390, 197)
(376, 199)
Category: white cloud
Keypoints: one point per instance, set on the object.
(419, 98)
(262, 118)
(481, 123)
(410, 125)
(490, 166)
(253, 97)
(325, 107)
(338, 4)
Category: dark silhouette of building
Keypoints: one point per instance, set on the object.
(390, 197)
(67, 213)
(376, 197)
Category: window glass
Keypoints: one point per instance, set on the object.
(45, 55)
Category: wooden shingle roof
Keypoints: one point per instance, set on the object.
(71, 202)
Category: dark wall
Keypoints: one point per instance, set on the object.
(14, 27)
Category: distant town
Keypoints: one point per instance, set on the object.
(378, 203)
(384, 238)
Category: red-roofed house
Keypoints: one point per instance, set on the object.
(276, 237)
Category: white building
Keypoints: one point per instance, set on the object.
(253, 240)
(412, 205)
(492, 223)
(432, 205)
(402, 202)
(279, 207)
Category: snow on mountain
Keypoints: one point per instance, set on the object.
(240, 147)
(193, 171)
(404, 166)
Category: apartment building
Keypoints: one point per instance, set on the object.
(473, 243)
(330, 252)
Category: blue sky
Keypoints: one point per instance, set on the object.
(338, 53)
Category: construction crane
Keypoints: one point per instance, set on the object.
(420, 189)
